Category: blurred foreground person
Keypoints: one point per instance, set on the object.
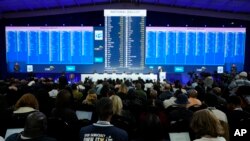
(207, 126)
(34, 129)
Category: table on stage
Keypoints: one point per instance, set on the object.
(132, 76)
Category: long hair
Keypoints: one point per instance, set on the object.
(117, 104)
(123, 88)
(204, 122)
(27, 100)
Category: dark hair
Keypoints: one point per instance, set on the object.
(35, 125)
(234, 100)
(63, 99)
(91, 91)
(104, 108)
(74, 87)
(151, 128)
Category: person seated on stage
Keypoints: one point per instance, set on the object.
(206, 126)
(103, 130)
(193, 98)
(34, 129)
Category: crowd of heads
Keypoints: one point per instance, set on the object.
(145, 105)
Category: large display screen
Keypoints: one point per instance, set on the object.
(123, 45)
(125, 40)
(29, 47)
(195, 46)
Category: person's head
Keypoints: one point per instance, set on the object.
(217, 91)
(27, 100)
(167, 86)
(193, 93)
(104, 108)
(208, 82)
(74, 87)
(243, 75)
(123, 88)
(204, 122)
(117, 104)
(233, 102)
(91, 97)
(211, 100)
(151, 128)
(138, 85)
(153, 94)
(63, 99)
(35, 125)
(181, 99)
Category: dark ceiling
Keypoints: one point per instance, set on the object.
(238, 9)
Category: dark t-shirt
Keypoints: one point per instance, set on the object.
(17, 137)
(97, 132)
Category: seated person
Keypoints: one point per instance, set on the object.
(63, 108)
(103, 130)
(193, 101)
(179, 115)
(206, 126)
(90, 98)
(24, 106)
(237, 117)
(34, 129)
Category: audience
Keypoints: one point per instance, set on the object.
(138, 107)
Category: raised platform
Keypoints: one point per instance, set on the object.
(132, 76)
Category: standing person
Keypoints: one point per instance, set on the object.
(63, 81)
(103, 130)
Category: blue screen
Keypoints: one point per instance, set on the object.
(136, 49)
(49, 46)
(194, 46)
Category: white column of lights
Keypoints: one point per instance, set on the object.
(126, 41)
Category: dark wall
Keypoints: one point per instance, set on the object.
(97, 19)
